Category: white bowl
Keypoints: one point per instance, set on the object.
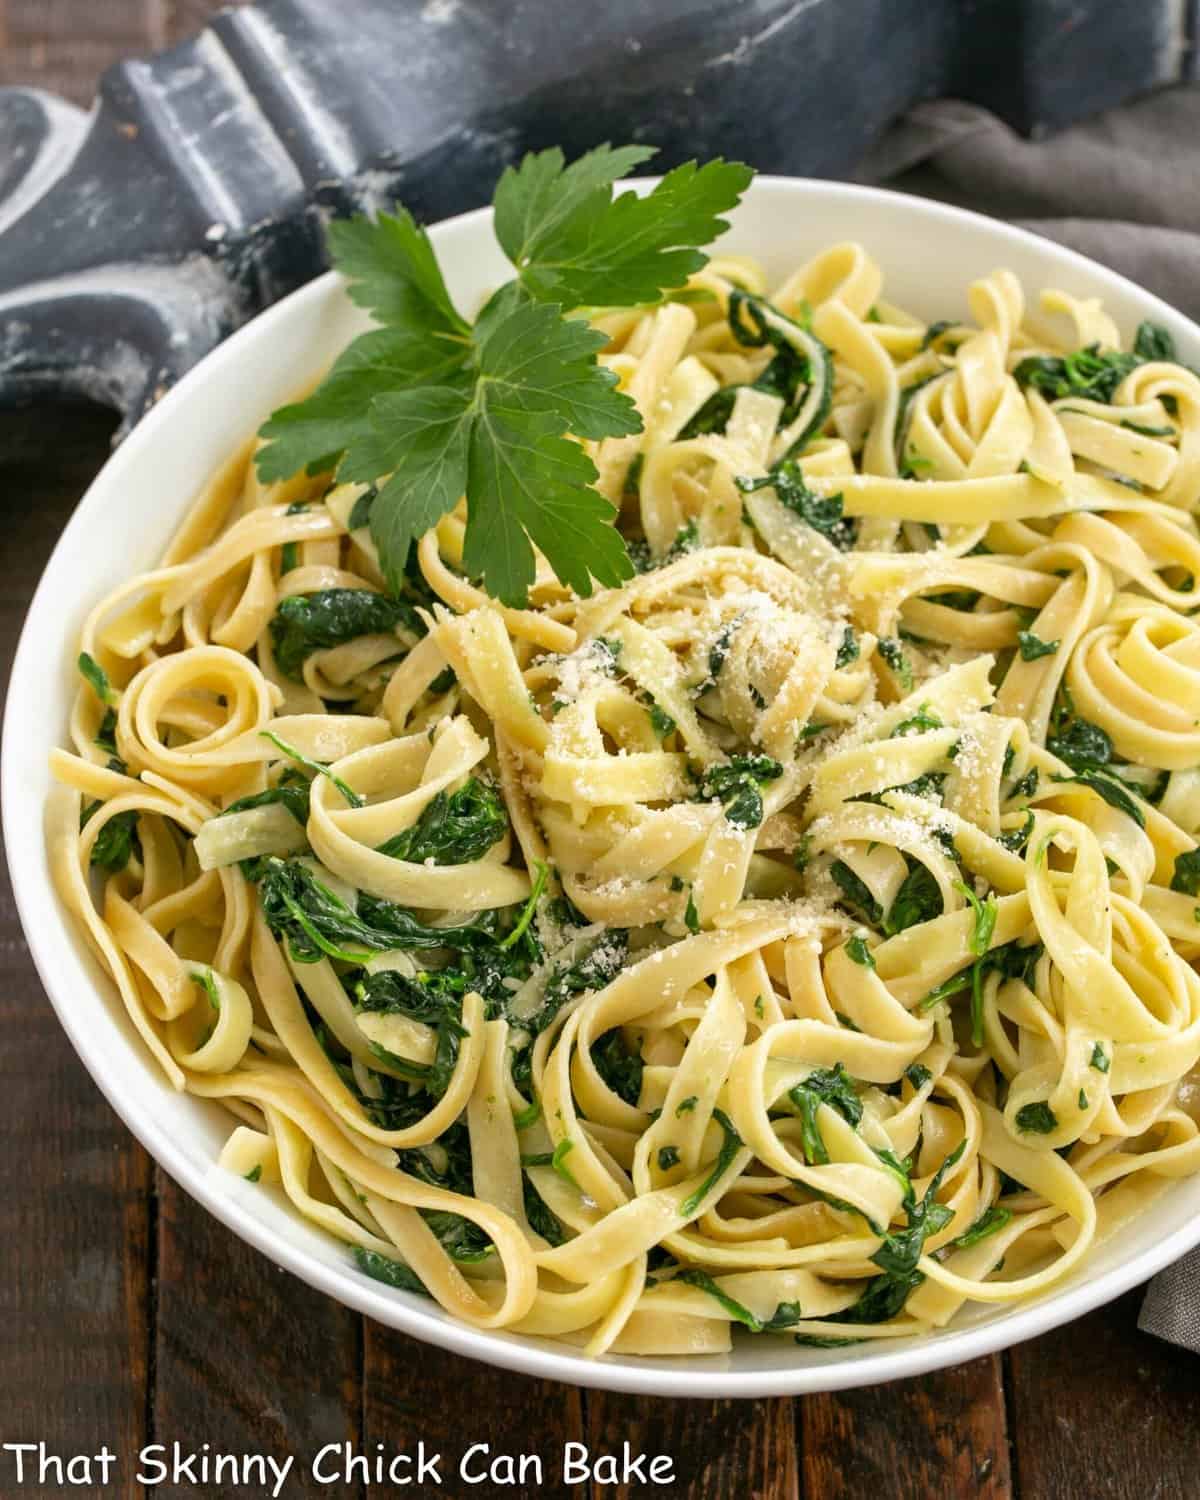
(929, 254)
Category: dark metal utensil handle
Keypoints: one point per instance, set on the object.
(134, 240)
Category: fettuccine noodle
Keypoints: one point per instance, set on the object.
(800, 937)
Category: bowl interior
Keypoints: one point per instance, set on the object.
(929, 255)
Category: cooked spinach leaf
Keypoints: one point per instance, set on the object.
(831, 1086)
(598, 967)
(319, 768)
(1152, 342)
(1086, 373)
(97, 679)
(935, 331)
(1111, 790)
(856, 893)
(922, 722)
(892, 652)
(738, 786)
(919, 899)
(822, 513)
(986, 911)
(1186, 878)
(454, 828)
(897, 1257)
(291, 791)
(988, 1222)
(1032, 647)
(435, 999)
(541, 1220)
(1037, 1118)
(116, 842)
(446, 1163)
(619, 1067)
(304, 623)
(731, 1144)
(661, 721)
(1084, 746)
(314, 921)
(393, 1273)
(785, 1315)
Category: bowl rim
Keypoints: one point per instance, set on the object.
(534, 1357)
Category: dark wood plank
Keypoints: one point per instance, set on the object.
(742, 1448)
(938, 1435)
(74, 1185)
(246, 1357)
(1101, 1409)
(412, 1392)
(74, 1196)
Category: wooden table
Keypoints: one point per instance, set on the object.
(130, 1317)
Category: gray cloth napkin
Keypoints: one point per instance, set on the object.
(1122, 189)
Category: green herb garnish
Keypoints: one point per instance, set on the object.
(444, 407)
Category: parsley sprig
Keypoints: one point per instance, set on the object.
(430, 407)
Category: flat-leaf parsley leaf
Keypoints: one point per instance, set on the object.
(429, 407)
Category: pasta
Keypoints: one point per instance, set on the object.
(799, 937)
